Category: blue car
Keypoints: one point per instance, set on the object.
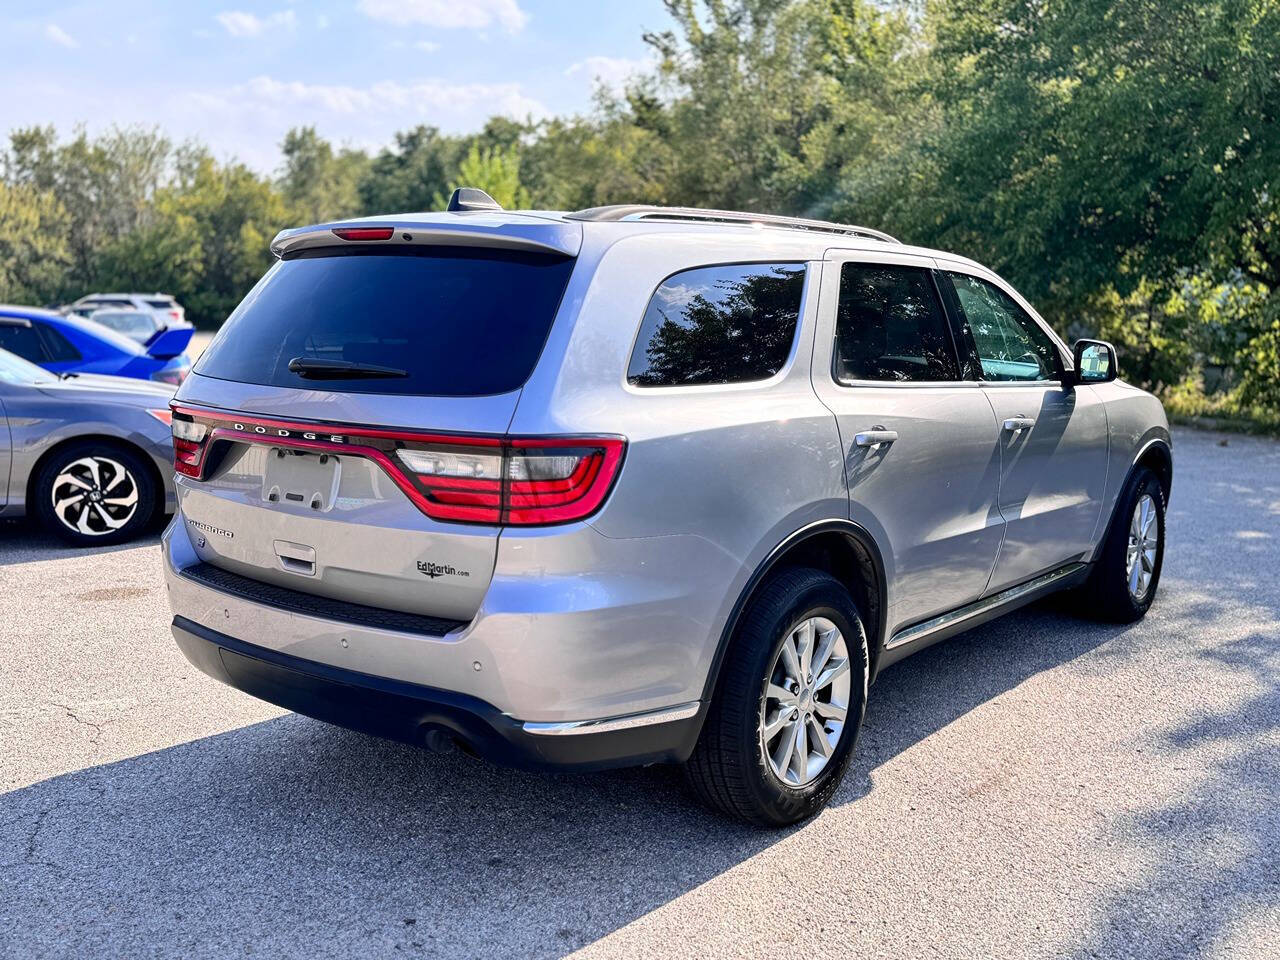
(71, 344)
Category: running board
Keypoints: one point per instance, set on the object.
(1024, 592)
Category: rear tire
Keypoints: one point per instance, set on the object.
(751, 762)
(91, 493)
(1125, 576)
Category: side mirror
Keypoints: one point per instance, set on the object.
(1095, 362)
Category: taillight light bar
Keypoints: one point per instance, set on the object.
(512, 481)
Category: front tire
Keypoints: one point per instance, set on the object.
(1123, 584)
(785, 718)
(95, 494)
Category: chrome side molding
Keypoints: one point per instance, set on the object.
(979, 607)
(681, 711)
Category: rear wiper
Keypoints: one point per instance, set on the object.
(317, 369)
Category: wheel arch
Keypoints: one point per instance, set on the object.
(1154, 454)
(840, 547)
(106, 439)
(1157, 456)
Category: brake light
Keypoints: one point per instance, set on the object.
(363, 233)
(521, 482)
(524, 481)
(176, 314)
(189, 439)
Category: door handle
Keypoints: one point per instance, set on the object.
(875, 437)
(1014, 424)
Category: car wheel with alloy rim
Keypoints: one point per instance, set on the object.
(1126, 572)
(785, 715)
(95, 493)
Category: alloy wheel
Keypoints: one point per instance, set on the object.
(94, 496)
(1144, 543)
(806, 701)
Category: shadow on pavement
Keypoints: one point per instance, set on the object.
(298, 837)
(23, 541)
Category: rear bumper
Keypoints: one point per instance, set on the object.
(408, 712)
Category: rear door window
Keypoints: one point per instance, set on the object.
(455, 322)
(890, 326)
(714, 325)
(23, 340)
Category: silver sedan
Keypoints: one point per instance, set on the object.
(90, 456)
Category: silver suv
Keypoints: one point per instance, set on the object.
(635, 484)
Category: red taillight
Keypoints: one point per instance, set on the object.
(513, 481)
(189, 442)
(554, 481)
(364, 233)
(176, 314)
(519, 482)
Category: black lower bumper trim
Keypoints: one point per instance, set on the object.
(406, 712)
(313, 605)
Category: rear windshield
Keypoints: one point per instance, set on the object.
(457, 321)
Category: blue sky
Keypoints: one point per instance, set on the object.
(237, 74)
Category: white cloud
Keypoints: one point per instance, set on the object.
(610, 72)
(423, 101)
(241, 24)
(448, 14)
(428, 46)
(60, 37)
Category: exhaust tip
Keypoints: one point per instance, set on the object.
(438, 740)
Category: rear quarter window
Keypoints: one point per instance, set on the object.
(59, 347)
(457, 321)
(732, 323)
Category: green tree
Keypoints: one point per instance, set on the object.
(105, 184)
(770, 100)
(494, 170)
(317, 183)
(411, 174)
(33, 244)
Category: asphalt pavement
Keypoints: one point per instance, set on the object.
(1041, 786)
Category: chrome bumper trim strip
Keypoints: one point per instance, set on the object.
(920, 630)
(681, 711)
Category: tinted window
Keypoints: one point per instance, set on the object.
(458, 322)
(58, 346)
(166, 304)
(1011, 345)
(22, 340)
(890, 326)
(723, 324)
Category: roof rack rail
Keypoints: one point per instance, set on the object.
(637, 211)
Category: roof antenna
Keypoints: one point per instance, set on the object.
(471, 198)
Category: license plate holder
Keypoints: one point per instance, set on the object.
(299, 479)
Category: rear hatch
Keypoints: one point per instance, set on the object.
(350, 366)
